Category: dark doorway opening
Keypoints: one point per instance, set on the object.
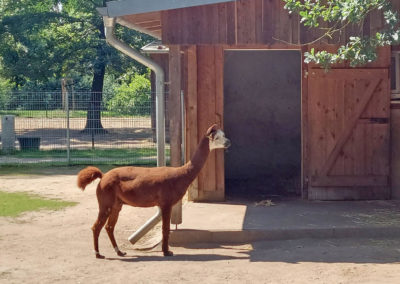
(262, 117)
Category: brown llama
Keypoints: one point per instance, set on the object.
(146, 187)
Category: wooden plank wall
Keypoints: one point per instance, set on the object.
(203, 33)
(360, 159)
(248, 22)
(204, 107)
(203, 85)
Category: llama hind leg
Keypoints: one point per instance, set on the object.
(166, 219)
(97, 226)
(112, 221)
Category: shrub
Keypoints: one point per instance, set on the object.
(5, 93)
(133, 98)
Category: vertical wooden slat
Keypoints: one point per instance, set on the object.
(191, 111)
(208, 24)
(171, 32)
(352, 99)
(206, 110)
(269, 20)
(258, 25)
(196, 16)
(378, 106)
(338, 123)
(187, 32)
(342, 121)
(376, 20)
(165, 27)
(246, 22)
(380, 146)
(367, 26)
(369, 149)
(295, 27)
(305, 35)
(174, 109)
(284, 25)
(231, 23)
(174, 106)
(358, 151)
(329, 115)
(305, 164)
(222, 24)
(316, 125)
(219, 111)
(277, 21)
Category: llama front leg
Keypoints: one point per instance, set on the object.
(112, 221)
(166, 219)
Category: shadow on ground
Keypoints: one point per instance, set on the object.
(359, 250)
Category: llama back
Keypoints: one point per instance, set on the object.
(87, 175)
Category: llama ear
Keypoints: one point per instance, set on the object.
(211, 130)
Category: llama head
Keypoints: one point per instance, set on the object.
(217, 138)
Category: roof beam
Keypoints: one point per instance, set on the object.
(156, 33)
(139, 18)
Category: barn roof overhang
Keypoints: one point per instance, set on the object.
(130, 7)
(145, 15)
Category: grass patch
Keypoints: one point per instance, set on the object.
(13, 204)
(62, 114)
(111, 154)
(133, 156)
(43, 169)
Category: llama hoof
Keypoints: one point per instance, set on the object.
(99, 256)
(168, 253)
(120, 253)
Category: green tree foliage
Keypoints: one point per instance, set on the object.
(5, 88)
(43, 41)
(338, 14)
(132, 98)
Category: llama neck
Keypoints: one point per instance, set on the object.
(199, 158)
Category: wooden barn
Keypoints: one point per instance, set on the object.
(295, 129)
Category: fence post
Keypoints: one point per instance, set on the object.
(68, 138)
(8, 135)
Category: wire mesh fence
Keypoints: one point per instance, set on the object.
(77, 128)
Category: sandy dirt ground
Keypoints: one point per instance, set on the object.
(56, 247)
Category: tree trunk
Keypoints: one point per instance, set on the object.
(93, 119)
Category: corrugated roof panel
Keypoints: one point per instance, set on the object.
(129, 7)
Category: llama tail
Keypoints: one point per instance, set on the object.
(87, 175)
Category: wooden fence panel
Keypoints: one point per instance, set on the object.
(204, 106)
(348, 120)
